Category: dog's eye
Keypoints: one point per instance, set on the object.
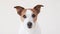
(24, 16)
(33, 15)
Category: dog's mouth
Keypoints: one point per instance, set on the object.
(29, 27)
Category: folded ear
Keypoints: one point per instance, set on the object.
(19, 9)
(37, 8)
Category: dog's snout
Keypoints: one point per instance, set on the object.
(29, 24)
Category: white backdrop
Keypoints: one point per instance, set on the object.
(49, 17)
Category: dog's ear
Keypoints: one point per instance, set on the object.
(37, 8)
(19, 9)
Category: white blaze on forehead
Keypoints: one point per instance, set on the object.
(28, 13)
(29, 18)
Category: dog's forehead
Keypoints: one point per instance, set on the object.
(28, 12)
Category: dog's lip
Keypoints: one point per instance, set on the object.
(29, 27)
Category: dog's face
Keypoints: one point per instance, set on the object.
(28, 16)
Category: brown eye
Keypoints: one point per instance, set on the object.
(24, 16)
(33, 15)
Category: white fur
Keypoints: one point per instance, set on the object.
(23, 26)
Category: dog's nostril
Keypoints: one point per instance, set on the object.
(29, 24)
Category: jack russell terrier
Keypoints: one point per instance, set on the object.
(28, 18)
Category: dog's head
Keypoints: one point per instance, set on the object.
(28, 16)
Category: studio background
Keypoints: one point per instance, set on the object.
(49, 17)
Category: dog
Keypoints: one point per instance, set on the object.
(29, 18)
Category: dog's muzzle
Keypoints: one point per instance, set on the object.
(29, 25)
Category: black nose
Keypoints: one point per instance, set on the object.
(29, 24)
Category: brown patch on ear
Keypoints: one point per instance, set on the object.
(37, 8)
(19, 9)
(34, 12)
(23, 13)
